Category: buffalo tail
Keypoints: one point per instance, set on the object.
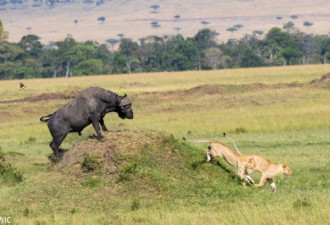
(45, 118)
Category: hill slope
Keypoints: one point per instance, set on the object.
(130, 170)
(53, 23)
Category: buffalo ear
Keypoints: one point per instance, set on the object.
(125, 95)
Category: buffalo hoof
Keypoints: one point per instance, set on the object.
(101, 138)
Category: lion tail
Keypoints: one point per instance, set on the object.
(238, 152)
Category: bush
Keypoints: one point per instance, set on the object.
(127, 170)
(9, 175)
(239, 130)
(92, 162)
(301, 203)
(135, 204)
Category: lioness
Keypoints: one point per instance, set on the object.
(267, 169)
(218, 149)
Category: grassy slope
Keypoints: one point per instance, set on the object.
(171, 184)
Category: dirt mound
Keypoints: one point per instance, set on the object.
(42, 97)
(119, 148)
(139, 84)
(324, 78)
(205, 89)
(323, 82)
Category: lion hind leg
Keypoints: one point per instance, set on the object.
(262, 181)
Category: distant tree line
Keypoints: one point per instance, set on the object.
(279, 47)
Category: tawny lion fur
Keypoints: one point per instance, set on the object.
(243, 166)
(267, 169)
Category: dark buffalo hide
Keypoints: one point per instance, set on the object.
(89, 107)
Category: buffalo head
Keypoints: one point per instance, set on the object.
(125, 110)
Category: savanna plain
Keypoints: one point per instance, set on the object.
(143, 173)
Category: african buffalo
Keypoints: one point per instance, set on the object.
(90, 106)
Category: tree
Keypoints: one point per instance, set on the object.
(204, 39)
(289, 26)
(63, 48)
(238, 26)
(308, 46)
(294, 17)
(290, 53)
(31, 44)
(154, 24)
(307, 24)
(214, 58)
(177, 29)
(279, 17)
(101, 19)
(126, 48)
(231, 29)
(11, 57)
(155, 7)
(3, 33)
(120, 35)
(177, 17)
(323, 41)
(258, 32)
(112, 42)
(251, 59)
(204, 22)
(184, 56)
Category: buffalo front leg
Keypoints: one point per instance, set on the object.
(97, 130)
(104, 128)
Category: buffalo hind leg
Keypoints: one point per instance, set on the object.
(104, 128)
(55, 144)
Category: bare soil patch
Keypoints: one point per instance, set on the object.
(42, 97)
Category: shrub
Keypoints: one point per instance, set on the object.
(239, 130)
(92, 162)
(301, 203)
(9, 175)
(127, 170)
(135, 204)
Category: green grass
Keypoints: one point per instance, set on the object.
(145, 174)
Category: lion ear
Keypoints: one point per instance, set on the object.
(284, 166)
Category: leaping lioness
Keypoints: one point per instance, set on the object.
(267, 169)
(243, 166)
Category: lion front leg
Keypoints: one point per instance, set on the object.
(208, 157)
(272, 184)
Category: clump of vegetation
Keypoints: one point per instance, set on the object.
(92, 162)
(135, 204)
(9, 175)
(302, 203)
(91, 182)
(31, 139)
(127, 170)
(239, 130)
